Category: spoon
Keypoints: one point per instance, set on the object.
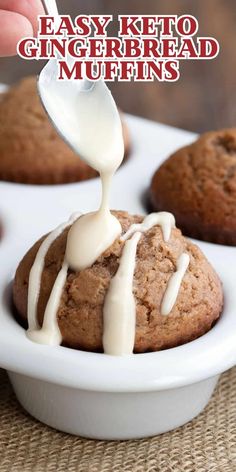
(83, 112)
(50, 7)
(47, 80)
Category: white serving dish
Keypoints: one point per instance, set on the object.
(96, 395)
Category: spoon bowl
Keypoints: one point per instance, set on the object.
(84, 114)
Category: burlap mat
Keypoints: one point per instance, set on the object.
(207, 444)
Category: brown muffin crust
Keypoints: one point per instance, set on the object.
(31, 151)
(198, 184)
(80, 315)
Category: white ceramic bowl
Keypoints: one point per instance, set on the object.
(97, 395)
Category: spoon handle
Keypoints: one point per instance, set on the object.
(50, 7)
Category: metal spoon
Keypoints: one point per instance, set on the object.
(50, 7)
(59, 97)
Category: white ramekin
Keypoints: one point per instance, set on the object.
(105, 397)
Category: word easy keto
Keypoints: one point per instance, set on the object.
(146, 47)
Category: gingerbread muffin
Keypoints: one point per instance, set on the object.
(31, 151)
(198, 184)
(80, 314)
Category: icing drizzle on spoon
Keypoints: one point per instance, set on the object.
(91, 125)
(100, 141)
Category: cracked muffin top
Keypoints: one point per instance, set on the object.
(197, 306)
(198, 185)
(31, 151)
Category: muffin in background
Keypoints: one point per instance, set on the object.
(31, 151)
(198, 185)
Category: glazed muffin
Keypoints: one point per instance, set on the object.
(80, 314)
(198, 184)
(31, 151)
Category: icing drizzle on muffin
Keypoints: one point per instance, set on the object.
(100, 142)
(119, 311)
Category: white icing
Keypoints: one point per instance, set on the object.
(164, 219)
(86, 115)
(99, 139)
(50, 333)
(174, 283)
(92, 234)
(119, 312)
(36, 274)
(97, 129)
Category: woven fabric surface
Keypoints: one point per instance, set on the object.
(207, 444)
